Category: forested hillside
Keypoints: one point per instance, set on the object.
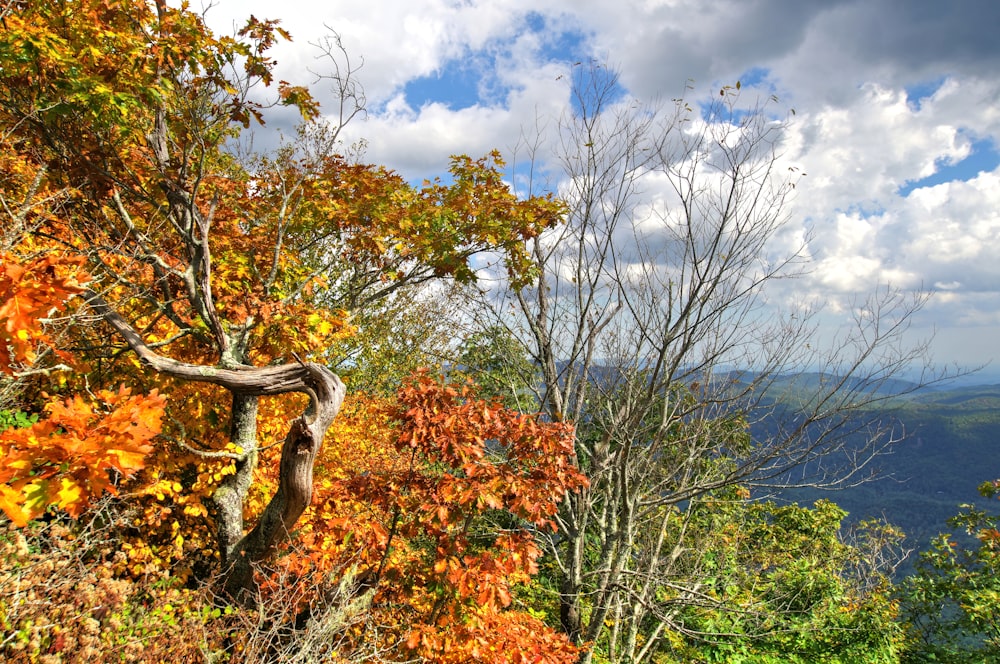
(952, 445)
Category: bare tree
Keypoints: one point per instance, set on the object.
(653, 329)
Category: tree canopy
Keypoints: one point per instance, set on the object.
(194, 283)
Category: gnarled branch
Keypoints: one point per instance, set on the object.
(301, 445)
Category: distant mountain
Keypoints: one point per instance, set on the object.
(813, 381)
(952, 446)
(975, 397)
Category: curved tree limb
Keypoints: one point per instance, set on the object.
(242, 379)
(295, 480)
(301, 445)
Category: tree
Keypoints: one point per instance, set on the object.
(495, 360)
(412, 512)
(72, 455)
(653, 330)
(780, 583)
(214, 271)
(950, 605)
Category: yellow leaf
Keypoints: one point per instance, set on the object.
(70, 493)
(9, 499)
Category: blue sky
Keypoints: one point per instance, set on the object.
(983, 157)
(897, 113)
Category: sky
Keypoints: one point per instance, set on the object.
(897, 114)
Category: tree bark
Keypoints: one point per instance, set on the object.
(298, 453)
(240, 379)
(232, 492)
(569, 610)
(295, 482)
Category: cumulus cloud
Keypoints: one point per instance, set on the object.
(887, 93)
(943, 238)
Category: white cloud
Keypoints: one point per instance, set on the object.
(859, 155)
(844, 65)
(954, 231)
(419, 143)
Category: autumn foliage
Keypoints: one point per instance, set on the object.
(442, 518)
(77, 452)
(215, 445)
(81, 447)
(31, 290)
(169, 319)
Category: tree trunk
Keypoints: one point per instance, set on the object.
(295, 483)
(569, 610)
(571, 584)
(298, 452)
(230, 496)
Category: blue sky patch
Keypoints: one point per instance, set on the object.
(712, 110)
(984, 157)
(457, 85)
(594, 75)
(916, 94)
(558, 43)
(756, 76)
(472, 79)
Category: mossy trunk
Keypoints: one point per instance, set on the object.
(230, 496)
